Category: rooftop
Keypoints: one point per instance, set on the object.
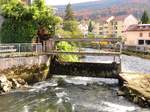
(139, 27)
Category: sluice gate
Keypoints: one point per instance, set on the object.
(90, 69)
(101, 70)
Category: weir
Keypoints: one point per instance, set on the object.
(111, 47)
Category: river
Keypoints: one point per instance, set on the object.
(76, 94)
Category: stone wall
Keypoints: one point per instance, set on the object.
(15, 70)
(7, 63)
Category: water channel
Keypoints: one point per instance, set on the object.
(77, 94)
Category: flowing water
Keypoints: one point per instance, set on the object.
(75, 94)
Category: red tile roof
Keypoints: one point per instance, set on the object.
(139, 27)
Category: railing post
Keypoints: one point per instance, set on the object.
(36, 47)
(121, 47)
(19, 48)
(99, 47)
(79, 47)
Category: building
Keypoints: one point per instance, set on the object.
(130, 20)
(111, 27)
(96, 28)
(83, 26)
(114, 27)
(138, 35)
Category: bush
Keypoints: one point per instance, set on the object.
(65, 46)
(17, 32)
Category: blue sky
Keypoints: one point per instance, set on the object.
(63, 2)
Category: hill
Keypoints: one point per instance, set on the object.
(104, 8)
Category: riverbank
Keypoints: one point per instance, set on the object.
(28, 69)
(75, 94)
(136, 88)
(136, 53)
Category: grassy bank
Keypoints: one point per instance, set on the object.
(144, 55)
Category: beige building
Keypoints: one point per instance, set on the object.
(96, 28)
(111, 27)
(130, 20)
(138, 35)
(115, 27)
(83, 28)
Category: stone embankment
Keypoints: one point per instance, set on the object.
(16, 72)
(136, 88)
(7, 85)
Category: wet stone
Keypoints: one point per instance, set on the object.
(5, 85)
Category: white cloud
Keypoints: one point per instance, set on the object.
(60, 2)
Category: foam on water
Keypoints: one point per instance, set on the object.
(112, 107)
(89, 80)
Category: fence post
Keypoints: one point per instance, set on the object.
(121, 47)
(19, 48)
(36, 47)
(99, 47)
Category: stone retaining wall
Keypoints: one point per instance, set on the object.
(7, 63)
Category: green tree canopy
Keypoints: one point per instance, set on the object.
(70, 24)
(22, 21)
(69, 13)
(145, 18)
(90, 27)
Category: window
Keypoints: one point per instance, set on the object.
(147, 42)
(141, 34)
(141, 42)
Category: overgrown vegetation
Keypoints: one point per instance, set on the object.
(65, 46)
(23, 21)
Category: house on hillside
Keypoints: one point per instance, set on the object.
(83, 26)
(138, 35)
(130, 20)
(96, 28)
(115, 26)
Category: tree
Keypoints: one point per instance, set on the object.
(145, 18)
(22, 21)
(69, 13)
(44, 16)
(70, 25)
(90, 27)
(18, 25)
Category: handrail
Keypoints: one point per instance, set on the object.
(85, 53)
(86, 39)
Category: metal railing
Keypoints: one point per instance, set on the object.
(18, 48)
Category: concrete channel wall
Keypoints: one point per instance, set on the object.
(7, 63)
(31, 68)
